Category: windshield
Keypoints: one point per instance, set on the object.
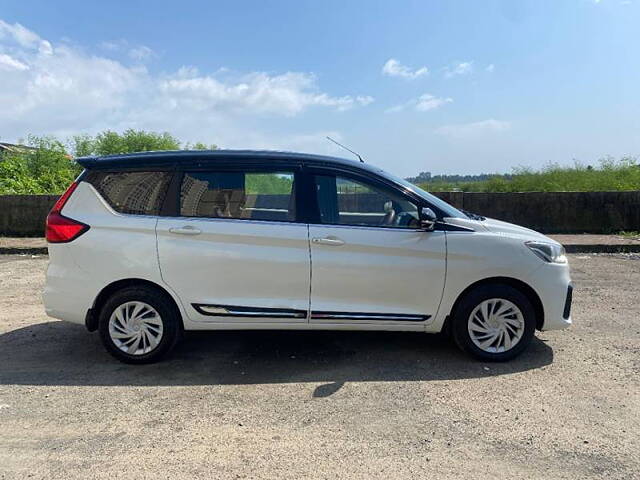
(449, 211)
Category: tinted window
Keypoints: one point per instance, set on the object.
(244, 195)
(447, 210)
(343, 201)
(140, 193)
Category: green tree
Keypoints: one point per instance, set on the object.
(83, 145)
(268, 183)
(47, 169)
(200, 146)
(129, 141)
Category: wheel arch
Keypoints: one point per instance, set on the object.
(91, 320)
(523, 287)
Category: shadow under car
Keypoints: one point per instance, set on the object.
(60, 353)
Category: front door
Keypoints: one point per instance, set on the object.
(371, 263)
(236, 252)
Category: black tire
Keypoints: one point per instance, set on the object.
(169, 314)
(461, 317)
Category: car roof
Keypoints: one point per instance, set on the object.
(200, 157)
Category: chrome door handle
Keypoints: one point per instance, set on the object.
(331, 240)
(186, 230)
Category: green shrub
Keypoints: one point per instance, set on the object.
(611, 175)
(49, 168)
(109, 142)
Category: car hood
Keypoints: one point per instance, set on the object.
(502, 228)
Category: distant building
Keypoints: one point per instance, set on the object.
(12, 147)
(15, 148)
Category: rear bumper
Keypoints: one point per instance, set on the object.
(63, 304)
(68, 292)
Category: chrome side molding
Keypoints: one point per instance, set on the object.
(397, 317)
(259, 312)
(247, 312)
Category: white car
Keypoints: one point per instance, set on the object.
(145, 246)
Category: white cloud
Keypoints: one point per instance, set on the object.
(423, 103)
(141, 52)
(490, 68)
(309, 142)
(428, 102)
(466, 130)
(113, 46)
(10, 63)
(461, 68)
(393, 68)
(63, 90)
(287, 94)
(364, 100)
(23, 37)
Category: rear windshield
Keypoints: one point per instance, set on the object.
(137, 193)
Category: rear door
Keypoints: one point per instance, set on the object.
(235, 251)
(372, 264)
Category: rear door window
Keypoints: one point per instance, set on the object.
(242, 195)
(137, 193)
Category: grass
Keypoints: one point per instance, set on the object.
(610, 175)
(631, 234)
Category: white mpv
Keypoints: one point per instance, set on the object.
(145, 246)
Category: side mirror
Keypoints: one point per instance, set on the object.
(428, 219)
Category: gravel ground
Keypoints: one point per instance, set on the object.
(324, 405)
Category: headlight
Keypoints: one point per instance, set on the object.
(549, 252)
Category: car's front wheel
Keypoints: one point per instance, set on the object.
(494, 322)
(139, 325)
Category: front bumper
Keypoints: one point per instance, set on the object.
(566, 313)
(552, 283)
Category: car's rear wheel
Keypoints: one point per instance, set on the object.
(139, 325)
(494, 322)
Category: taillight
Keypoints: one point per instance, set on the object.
(61, 229)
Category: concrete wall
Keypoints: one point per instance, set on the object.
(555, 212)
(24, 215)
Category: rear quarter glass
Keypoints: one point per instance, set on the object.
(137, 193)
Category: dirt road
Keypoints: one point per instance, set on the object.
(324, 405)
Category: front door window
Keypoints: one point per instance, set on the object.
(343, 201)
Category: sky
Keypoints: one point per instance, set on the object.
(442, 86)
